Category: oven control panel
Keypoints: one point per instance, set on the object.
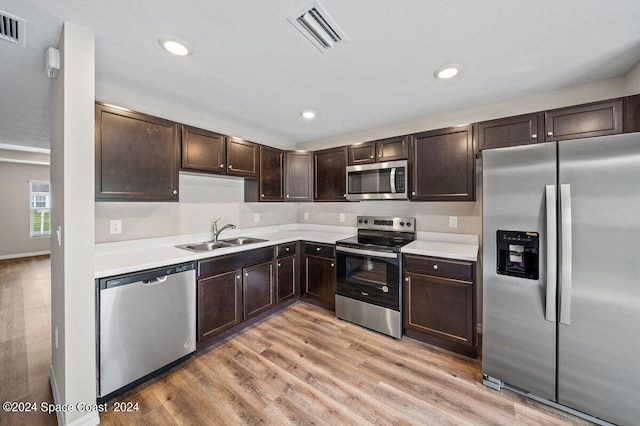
(383, 223)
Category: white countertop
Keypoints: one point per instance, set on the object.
(137, 255)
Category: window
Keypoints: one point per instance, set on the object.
(40, 200)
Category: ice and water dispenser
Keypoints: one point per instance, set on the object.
(518, 254)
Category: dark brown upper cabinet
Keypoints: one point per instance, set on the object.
(330, 174)
(298, 176)
(242, 158)
(511, 131)
(137, 156)
(584, 121)
(632, 114)
(396, 148)
(271, 174)
(443, 165)
(203, 151)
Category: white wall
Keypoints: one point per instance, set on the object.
(15, 210)
(632, 81)
(202, 200)
(73, 369)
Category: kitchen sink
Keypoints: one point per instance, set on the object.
(240, 241)
(211, 245)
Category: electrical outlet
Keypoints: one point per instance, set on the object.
(55, 337)
(453, 221)
(342, 218)
(306, 215)
(115, 226)
(256, 217)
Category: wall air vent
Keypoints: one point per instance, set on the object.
(13, 29)
(316, 24)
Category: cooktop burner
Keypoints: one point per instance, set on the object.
(382, 233)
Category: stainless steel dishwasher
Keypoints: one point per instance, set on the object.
(147, 324)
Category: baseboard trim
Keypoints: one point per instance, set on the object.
(19, 255)
(91, 418)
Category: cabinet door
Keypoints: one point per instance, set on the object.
(299, 176)
(287, 268)
(584, 121)
(510, 131)
(440, 307)
(203, 151)
(258, 289)
(242, 158)
(330, 180)
(362, 153)
(136, 156)
(271, 174)
(320, 279)
(443, 165)
(219, 303)
(632, 114)
(392, 149)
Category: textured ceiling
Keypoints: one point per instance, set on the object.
(251, 66)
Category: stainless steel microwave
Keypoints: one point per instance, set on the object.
(378, 181)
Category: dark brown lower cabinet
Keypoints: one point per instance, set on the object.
(219, 303)
(319, 276)
(287, 273)
(439, 302)
(258, 289)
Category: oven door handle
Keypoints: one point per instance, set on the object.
(371, 253)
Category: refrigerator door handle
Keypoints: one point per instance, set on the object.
(565, 291)
(552, 230)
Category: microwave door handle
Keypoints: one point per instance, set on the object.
(392, 176)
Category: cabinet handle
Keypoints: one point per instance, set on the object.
(262, 195)
(407, 279)
(413, 193)
(533, 136)
(279, 265)
(230, 167)
(237, 277)
(222, 166)
(287, 249)
(344, 195)
(549, 133)
(435, 266)
(379, 155)
(288, 195)
(175, 191)
(371, 156)
(246, 274)
(332, 265)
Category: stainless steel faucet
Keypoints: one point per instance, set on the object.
(215, 231)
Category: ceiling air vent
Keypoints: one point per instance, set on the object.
(13, 29)
(316, 24)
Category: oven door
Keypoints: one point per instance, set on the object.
(369, 276)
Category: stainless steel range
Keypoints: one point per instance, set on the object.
(369, 273)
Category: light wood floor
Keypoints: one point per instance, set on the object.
(300, 366)
(25, 337)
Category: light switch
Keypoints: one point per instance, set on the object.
(306, 215)
(342, 218)
(453, 221)
(256, 217)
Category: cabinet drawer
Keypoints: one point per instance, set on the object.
(285, 249)
(448, 268)
(320, 250)
(222, 264)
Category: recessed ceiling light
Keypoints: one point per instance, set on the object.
(309, 115)
(175, 46)
(447, 71)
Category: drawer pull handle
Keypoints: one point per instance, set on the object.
(318, 249)
(533, 136)
(407, 279)
(363, 293)
(549, 133)
(435, 266)
(332, 265)
(279, 265)
(287, 249)
(246, 274)
(385, 289)
(222, 166)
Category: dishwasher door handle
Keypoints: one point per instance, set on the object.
(156, 280)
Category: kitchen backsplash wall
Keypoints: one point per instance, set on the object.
(202, 199)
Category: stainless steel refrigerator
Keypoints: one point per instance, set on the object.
(561, 274)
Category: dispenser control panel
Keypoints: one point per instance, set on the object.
(518, 254)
